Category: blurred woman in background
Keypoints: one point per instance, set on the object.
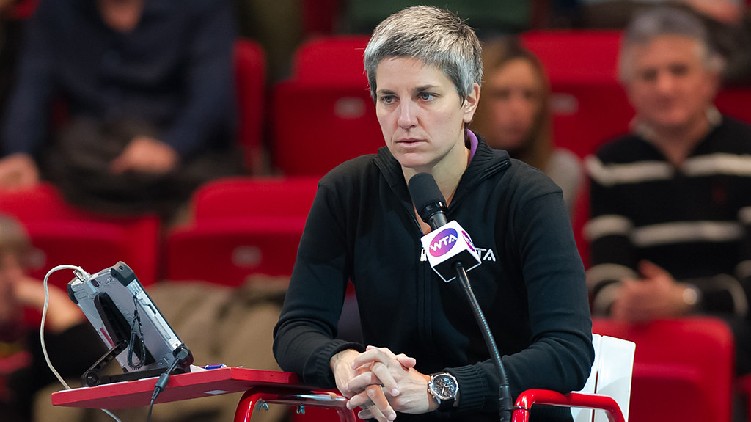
(514, 114)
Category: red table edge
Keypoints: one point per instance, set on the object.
(179, 387)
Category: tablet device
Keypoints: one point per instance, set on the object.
(129, 324)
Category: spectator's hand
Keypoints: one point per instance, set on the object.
(385, 375)
(145, 155)
(18, 171)
(62, 313)
(657, 295)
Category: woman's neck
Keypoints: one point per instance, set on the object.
(446, 173)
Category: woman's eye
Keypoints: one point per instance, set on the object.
(387, 99)
(425, 96)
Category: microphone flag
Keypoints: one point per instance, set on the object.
(447, 245)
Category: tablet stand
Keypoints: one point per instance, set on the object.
(93, 377)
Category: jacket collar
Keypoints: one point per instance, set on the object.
(485, 163)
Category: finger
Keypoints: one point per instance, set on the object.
(118, 165)
(385, 350)
(370, 356)
(372, 413)
(387, 379)
(619, 310)
(406, 361)
(359, 400)
(651, 270)
(369, 409)
(365, 414)
(360, 382)
(380, 402)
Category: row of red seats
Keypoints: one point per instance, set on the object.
(323, 113)
(240, 227)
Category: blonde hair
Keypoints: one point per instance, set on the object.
(538, 147)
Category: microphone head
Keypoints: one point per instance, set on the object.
(426, 196)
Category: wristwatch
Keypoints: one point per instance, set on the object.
(444, 388)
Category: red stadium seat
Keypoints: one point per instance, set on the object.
(241, 226)
(735, 103)
(62, 234)
(319, 17)
(334, 60)
(683, 368)
(23, 9)
(250, 82)
(324, 115)
(589, 104)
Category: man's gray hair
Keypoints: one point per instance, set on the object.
(664, 20)
(434, 36)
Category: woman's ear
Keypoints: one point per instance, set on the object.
(470, 103)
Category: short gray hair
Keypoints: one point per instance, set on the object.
(665, 20)
(434, 36)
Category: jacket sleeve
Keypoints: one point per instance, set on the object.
(26, 121)
(209, 80)
(539, 241)
(304, 337)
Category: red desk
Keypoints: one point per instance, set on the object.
(268, 386)
(276, 387)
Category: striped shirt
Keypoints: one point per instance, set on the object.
(693, 220)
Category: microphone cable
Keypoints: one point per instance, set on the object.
(504, 393)
(161, 383)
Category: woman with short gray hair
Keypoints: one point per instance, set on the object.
(423, 356)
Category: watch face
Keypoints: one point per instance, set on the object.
(445, 386)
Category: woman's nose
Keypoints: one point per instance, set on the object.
(406, 114)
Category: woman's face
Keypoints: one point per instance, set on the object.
(513, 97)
(421, 114)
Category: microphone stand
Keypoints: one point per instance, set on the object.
(504, 395)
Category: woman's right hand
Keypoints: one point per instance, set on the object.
(344, 371)
(341, 366)
(405, 388)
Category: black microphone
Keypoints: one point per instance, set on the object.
(448, 243)
(449, 250)
(428, 200)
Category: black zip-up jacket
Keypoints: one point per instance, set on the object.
(530, 285)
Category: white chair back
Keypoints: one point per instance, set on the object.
(610, 376)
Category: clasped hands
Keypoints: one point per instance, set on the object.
(381, 383)
(655, 295)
